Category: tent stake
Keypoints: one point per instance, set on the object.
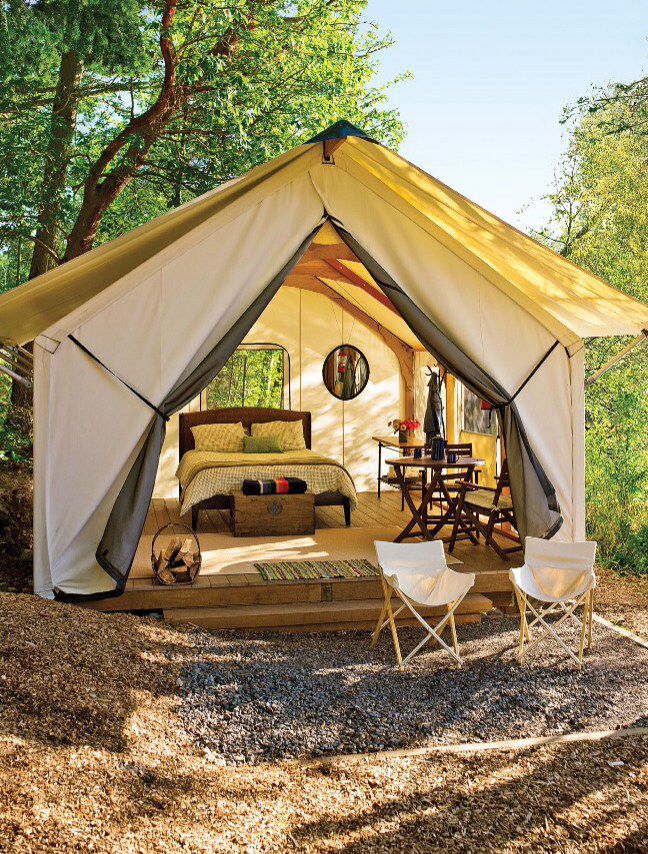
(613, 361)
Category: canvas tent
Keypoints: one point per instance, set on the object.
(128, 333)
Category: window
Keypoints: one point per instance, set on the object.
(255, 375)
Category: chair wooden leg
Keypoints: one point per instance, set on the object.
(581, 646)
(490, 527)
(392, 624)
(455, 527)
(453, 629)
(381, 620)
(522, 624)
(491, 541)
(526, 624)
(591, 617)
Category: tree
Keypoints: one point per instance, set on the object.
(123, 101)
(57, 40)
(114, 110)
(600, 221)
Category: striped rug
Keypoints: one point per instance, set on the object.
(296, 570)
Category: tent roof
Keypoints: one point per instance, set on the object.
(331, 263)
(568, 301)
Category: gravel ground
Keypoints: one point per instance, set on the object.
(94, 757)
(260, 697)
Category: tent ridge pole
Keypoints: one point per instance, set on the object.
(615, 359)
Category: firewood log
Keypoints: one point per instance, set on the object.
(177, 562)
(162, 571)
(171, 551)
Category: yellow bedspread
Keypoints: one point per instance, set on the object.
(203, 474)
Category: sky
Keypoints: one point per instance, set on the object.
(490, 81)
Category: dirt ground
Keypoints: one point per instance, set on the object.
(92, 757)
(16, 513)
(623, 600)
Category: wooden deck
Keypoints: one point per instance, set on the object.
(230, 593)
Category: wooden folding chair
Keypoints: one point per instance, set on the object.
(418, 575)
(476, 501)
(555, 580)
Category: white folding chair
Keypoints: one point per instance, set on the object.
(417, 573)
(559, 578)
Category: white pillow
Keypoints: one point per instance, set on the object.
(227, 438)
(289, 434)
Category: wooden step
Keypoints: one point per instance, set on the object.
(215, 591)
(229, 590)
(490, 581)
(359, 613)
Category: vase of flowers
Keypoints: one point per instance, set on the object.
(405, 429)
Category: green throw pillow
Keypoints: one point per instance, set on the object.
(261, 445)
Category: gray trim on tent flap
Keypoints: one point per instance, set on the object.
(537, 512)
(116, 551)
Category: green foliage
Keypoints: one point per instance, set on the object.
(15, 429)
(632, 555)
(249, 378)
(601, 223)
(238, 83)
(252, 80)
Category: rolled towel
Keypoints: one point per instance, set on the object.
(296, 486)
(280, 486)
(259, 487)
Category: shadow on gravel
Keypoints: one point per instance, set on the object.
(255, 698)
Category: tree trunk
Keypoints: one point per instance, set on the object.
(57, 162)
(271, 370)
(132, 144)
(64, 113)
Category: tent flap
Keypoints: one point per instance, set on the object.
(116, 551)
(537, 511)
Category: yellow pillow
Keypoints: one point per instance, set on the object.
(227, 438)
(289, 434)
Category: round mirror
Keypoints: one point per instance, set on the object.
(345, 372)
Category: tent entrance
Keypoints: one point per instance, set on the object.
(533, 494)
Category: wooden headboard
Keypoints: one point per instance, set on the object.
(246, 415)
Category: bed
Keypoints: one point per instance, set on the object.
(208, 479)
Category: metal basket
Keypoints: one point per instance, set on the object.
(175, 570)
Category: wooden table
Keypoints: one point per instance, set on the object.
(392, 442)
(436, 484)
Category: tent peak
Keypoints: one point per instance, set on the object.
(341, 130)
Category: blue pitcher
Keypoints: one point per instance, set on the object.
(438, 448)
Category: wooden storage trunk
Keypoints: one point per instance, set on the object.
(259, 515)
